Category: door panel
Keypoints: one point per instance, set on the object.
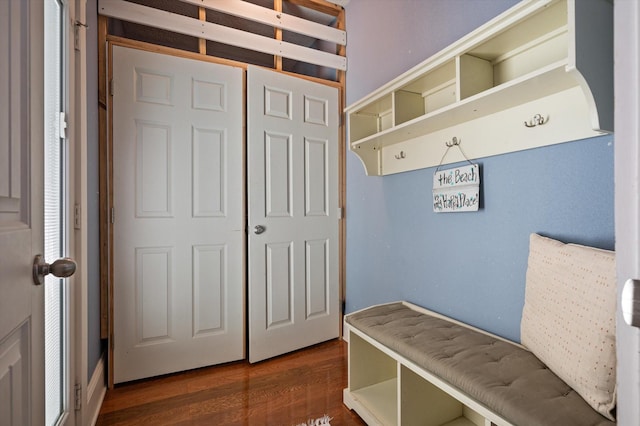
(293, 193)
(178, 202)
(21, 220)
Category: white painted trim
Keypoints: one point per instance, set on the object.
(627, 202)
(96, 391)
(273, 18)
(185, 25)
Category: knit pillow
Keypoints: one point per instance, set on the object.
(568, 320)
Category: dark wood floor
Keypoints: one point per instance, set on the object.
(288, 390)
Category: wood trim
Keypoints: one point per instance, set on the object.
(110, 359)
(342, 178)
(202, 43)
(319, 5)
(277, 60)
(120, 41)
(274, 17)
(105, 172)
(149, 47)
(103, 181)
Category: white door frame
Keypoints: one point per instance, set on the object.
(627, 198)
(85, 390)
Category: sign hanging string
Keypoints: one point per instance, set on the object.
(450, 144)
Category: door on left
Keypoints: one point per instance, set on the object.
(21, 211)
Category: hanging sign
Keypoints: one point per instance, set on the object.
(456, 190)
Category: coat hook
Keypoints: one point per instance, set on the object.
(400, 156)
(452, 142)
(537, 120)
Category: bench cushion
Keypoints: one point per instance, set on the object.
(569, 316)
(506, 378)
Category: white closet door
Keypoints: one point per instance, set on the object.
(178, 229)
(293, 213)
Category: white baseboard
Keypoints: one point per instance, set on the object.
(96, 391)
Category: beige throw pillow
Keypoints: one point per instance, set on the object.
(568, 320)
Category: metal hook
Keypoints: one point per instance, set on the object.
(452, 142)
(400, 156)
(537, 120)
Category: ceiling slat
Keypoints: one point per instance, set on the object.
(144, 15)
(273, 18)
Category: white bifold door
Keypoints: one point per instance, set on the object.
(180, 260)
(178, 214)
(292, 144)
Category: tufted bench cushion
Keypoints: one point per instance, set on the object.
(506, 378)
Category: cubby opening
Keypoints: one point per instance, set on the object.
(373, 379)
(430, 92)
(374, 118)
(539, 41)
(424, 404)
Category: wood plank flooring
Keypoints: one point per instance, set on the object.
(288, 390)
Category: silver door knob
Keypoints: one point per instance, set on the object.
(61, 268)
(259, 229)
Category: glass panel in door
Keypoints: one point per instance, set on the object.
(54, 216)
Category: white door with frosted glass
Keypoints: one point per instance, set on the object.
(292, 144)
(178, 214)
(21, 219)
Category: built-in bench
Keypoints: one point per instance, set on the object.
(410, 366)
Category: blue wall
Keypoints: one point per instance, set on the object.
(470, 266)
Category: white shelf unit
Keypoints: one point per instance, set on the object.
(387, 390)
(548, 57)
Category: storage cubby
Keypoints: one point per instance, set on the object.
(529, 45)
(536, 54)
(424, 404)
(372, 118)
(385, 390)
(374, 382)
(429, 92)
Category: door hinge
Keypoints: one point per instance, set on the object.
(340, 212)
(113, 215)
(111, 87)
(78, 396)
(76, 216)
(344, 306)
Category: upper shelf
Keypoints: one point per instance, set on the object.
(542, 58)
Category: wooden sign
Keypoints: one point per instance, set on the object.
(456, 190)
